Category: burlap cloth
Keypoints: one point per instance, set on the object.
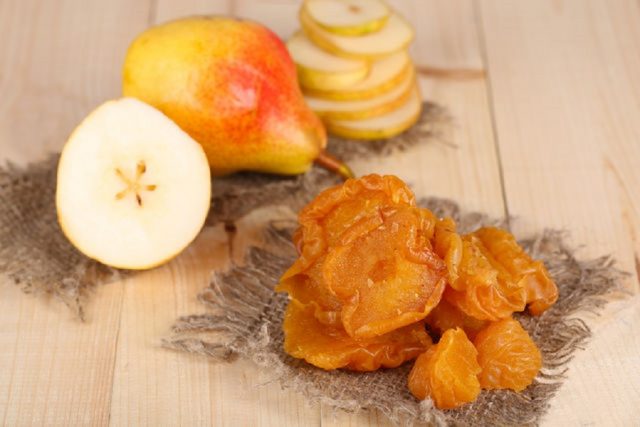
(246, 319)
(245, 315)
(35, 255)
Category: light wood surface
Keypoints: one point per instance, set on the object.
(545, 97)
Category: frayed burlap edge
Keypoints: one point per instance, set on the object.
(35, 255)
(245, 320)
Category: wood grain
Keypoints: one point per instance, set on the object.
(464, 165)
(157, 387)
(567, 112)
(58, 60)
(544, 97)
(153, 386)
(54, 371)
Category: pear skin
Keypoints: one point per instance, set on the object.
(232, 86)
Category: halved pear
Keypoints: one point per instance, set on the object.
(318, 69)
(385, 74)
(372, 107)
(133, 189)
(394, 36)
(348, 17)
(385, 126)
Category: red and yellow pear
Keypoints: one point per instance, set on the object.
(232, 86)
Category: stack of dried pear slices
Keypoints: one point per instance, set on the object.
(354, 67)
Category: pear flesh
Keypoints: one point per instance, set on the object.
(387, 101)
(348, 17)
(366, 108)
(394, 36)
(385, 74)
(385, 126)
(133, 189)
(321, 70)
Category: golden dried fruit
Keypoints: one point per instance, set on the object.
(365, 252)
(446, 316)
(332, 348)
(484, 289)
(541, 291)
(507, 355)
(447, 372)
(387, 278)
(308, 288)
(374, 270)
(447, 243)
(352, 206)
(490, 275)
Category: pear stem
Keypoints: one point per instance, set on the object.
(334, 165)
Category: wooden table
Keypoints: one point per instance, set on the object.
(546, 100)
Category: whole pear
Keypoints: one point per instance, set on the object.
(232, 86)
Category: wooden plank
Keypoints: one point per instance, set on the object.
(446, 41)
(153, 386)
(281, 16)
(58, 60)
(446, 36)
(166, 10)
(463, 165)
(55, 370)
(260, 400)
(566, 99)
(278, 15)
(580, 120)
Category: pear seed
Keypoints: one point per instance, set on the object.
(122, 176)
(121, 194)
(141, 168)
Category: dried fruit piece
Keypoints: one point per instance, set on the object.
(373, 266)
(484, 288)
(447, 243)
(446, 316)
(331, 348)
(388, 278)
(478, 285)
(507, 355)
(447, 372)
(541, 291)
(337, 209)
(308, 288)
(372, 247)
(490, 275)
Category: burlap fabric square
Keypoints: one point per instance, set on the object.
(246, 319)
(245, 314)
